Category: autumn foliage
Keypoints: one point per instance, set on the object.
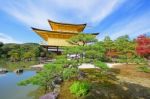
(143, 45)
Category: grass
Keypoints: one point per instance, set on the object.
(107, 85)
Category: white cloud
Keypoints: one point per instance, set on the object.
(132, 26)
(7, 39)
(92, 11)
(36, 13)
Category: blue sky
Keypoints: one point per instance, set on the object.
(112, 18)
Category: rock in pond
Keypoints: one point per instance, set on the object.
(18, 71)
(3, 71)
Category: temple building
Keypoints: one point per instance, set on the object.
(59, 34)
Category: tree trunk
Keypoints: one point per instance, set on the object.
(45, 89)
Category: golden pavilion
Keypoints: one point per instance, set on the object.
(60, 33)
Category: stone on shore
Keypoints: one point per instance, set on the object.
(50, 95)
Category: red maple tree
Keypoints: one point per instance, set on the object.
(143, 45)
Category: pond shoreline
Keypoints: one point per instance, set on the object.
(9, 85)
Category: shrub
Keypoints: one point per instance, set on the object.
(145, 69)
(101, 65)
(80, 88)
(137, 61)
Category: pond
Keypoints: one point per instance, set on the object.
(9, 88)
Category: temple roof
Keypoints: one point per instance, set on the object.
(45, 34)
(65, 27)
(60, 33)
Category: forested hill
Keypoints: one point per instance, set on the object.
(17, 52)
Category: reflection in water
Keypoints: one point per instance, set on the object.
(2, 75)
(10, 90)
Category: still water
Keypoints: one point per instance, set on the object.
(9, 88)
